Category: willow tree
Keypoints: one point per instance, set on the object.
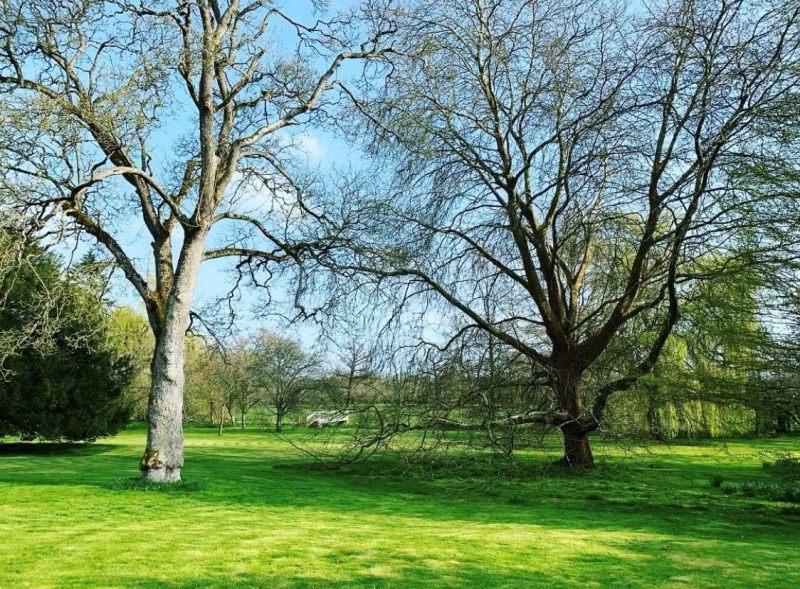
(570, 158)
(168, 118)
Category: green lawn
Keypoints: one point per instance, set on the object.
(257, 517)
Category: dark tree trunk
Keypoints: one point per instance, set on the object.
(783, 426)
(763, 422)
(577, 452)
(279, 421)
(244, 419)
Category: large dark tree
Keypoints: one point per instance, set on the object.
(69, 385)
(569, 160)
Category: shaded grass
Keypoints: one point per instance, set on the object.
(259, 516)
(139, 484)
(775, 491)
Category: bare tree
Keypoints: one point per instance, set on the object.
(355, 364)
(282, 370)
(240, 378)
(206, 393)
(94, 93)
(571, 158)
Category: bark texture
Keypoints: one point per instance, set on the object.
(577, 451)
(567, 386)
(163, 455)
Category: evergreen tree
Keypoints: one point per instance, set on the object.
(69, 385)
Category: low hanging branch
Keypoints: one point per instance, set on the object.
(573, 179)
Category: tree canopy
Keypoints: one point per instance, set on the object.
(551, 171)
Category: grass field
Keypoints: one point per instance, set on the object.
(254, 515)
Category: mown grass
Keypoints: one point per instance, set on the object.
(254, 514)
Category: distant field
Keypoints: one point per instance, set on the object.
(255, 516)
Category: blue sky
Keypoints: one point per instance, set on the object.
(319, 148)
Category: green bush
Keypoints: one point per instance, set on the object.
(780, 491)
(786, 465)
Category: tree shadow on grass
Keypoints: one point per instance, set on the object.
(409, 575)
(673, 499)
(62, 464)
(666, 565)
(590, 501)
(52, 448)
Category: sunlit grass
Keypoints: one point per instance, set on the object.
(252, 514)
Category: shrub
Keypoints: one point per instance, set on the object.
(786, 465)
(780, 491)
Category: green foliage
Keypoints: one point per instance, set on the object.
(70, 388)
(129, 333)
(71, 393)
(787, 492)
(30, 294)
(706, 381)
(785, 465)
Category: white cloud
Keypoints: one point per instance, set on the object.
(308, 143)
